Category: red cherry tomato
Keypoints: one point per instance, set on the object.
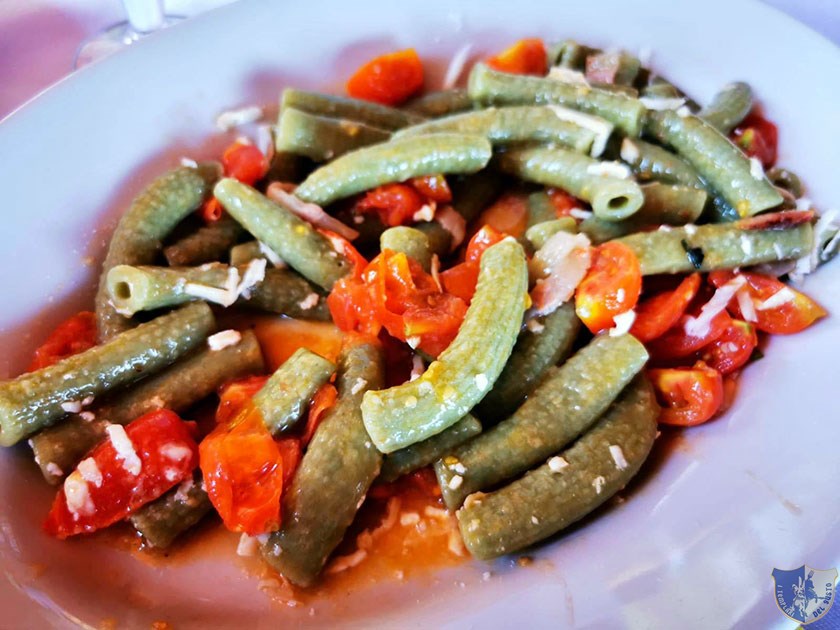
(323, 399)
(689, 396)
(395, 204)
(732, 349)
(655, 315)
(527, 56)
(610, 287)
(677, 342)
(389, 79)
(244, 162)
(110, 484)
(433, 187)
(563, 202)
(461, 279)
(72, 336)
(758, 137)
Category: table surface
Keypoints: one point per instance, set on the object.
(39, 38)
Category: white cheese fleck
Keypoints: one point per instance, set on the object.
(804, 203)
(690, 229)
(567, 75)
(72, 406)
(171, 474)
(425, 213)
(409, 518)
(756, 169)
(580, 213)
(664, 228)
(410, 401)
(683, 112)
(609, 169)
(417, 367)
(618, 456)
(157, 402)
(745, 303)
(459, 468)
(534, 326)
(342, 563)
(248, 546)
(699, 326)
(600, 127)
(232, 118)
(557, 464)
(436, 512)
(271, 255)
(223, 339)
(455, 482)
(182, 493)
(780, 297)
(746, 244)
(413, 342)
(125, 449)
(254, 274)
(456, 67)
(54, 470)
(175, 452)
(620, 294)
(425, 387)
(90, 471)
(535, 520)
(77, 495)
(358, 386)
(87, 401)
(481, 381)
(189, 162)
(598, 484)
(310, 301)
(658, 104)
(87, 416)
(629, 151)
(456, 546)
(623, 323)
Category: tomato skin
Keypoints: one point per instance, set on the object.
(527, 56)
(461, 279)
(657, 314)
(433, 187)
(786, 319)
(563, 202)
(168, 455)
(732, 349)
(388, 79)
(72, 336)
(676, 343)
(244, 162)
(323, 399)
(508, 214)
(395, 204)
(234, 395)
(611, 286)
(689, 396)
(758, 137)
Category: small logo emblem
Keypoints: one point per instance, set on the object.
(804, 594)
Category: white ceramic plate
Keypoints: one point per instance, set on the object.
(695, 544)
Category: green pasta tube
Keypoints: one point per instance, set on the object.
(545, 343)
(288, 167)
(442, 103)
(287, 293)
(330, 485)
(193, 378)
(570, 54)
(463, 373)
(38, 399)
(568, 401)
(164, 519)
(660, 88)
(416, 456)
(208, 243)
(786, 179)
(295, 240)
(612, 198)
(139, 235)
(719, 162)
(568, 486)
(716, 246)
(538, 234)
(244, 253)
(729, 107)
(491, 87)
(347, 108)
(410, 241)
(505, 125)
(440, 239)
(285, 396)
(650, 162)
(394, 161)
(540, 208)
(321, 138)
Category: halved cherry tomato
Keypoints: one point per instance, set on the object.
(677, 342)
(689, 396)
(323, 399)
(105, 488)
(291, 452)
(732, 349)
(655, 315)
(791, 316)
(611, 286)
(461, 279)
(345, 247)
(508, 214)
(758, 137)
(243, 473)
(563, 202)
(527, 56)
(234, 395)
(394, 292)
(72, 336)
(389, 79)
(395, 204)
(244, 162)
(433, 187)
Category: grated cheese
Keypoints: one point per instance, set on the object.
(73, 406)
(629, 151)
(77, 495)
(662, 104)
(417, 367)
(579, 213)
(618, 457)
(534, 326)
(90, 471)
(756, 169)
(272, 256)
(567, 75)
(254, 274)
(609, 169)
(409, 518)
(310, 301)
(223, 339)
(425, 213)
(125, 449)
(745, 303)
(600, 127)
(746, 244)
(598, 484)
(481, 382)
(690, 229)
(456, 67)
(455, 482)
(248, 546)
(87, 416)
(54, 470)
(175, 452)
(557, 463)
(436, 512)
(535, 520)
(232, 118)
(683, 112)
(699, 326)
(358, 386)
(342, 563)
(623, 323)
(413, 342)
(780, 297)
(458, 467)
(182, 493)
(803, 203)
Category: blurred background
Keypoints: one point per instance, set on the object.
(39, 39)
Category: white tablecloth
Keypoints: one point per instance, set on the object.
(39, 38)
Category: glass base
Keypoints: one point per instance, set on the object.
(112, 40)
